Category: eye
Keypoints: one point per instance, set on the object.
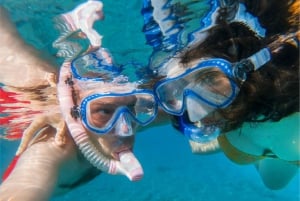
(101, 115)
(103, 112)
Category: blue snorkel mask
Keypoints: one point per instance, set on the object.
(113, 103)
(100, 113)
(210, 84)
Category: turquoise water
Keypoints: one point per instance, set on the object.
(172, 172)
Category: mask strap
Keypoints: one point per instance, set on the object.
(260, 58)
(75, 111)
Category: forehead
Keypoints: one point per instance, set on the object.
(117, 100)
(86, 88)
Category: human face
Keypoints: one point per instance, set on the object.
(208, 85)
(117, 113)
(199, 90)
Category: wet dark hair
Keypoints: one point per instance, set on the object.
(272, 92)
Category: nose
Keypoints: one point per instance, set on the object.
(123, 126)
(196, 110)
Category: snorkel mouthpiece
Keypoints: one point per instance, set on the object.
(203, 133)
(128, 165)
(197, 131)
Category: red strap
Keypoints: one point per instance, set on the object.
(7, 97)
(9, 105)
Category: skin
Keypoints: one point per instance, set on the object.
(12, 56)
(256, 139)
(40, 180)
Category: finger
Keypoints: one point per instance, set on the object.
(28, 133)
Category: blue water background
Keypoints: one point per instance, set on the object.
(172, 172)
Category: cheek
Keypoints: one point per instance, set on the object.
(222, 86)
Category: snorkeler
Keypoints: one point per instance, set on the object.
(108, 106)
(101, 109)
(234, 83)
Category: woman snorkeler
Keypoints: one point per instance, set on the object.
(232, 84)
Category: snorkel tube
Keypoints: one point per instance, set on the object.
(128, 164)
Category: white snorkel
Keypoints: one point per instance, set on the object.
(86, 14)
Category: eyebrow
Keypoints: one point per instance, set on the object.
(109, 103)
(101, 103)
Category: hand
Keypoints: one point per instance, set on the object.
(40, 122)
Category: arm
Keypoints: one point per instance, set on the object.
(19, 60)
(46, 169)
(36, 172)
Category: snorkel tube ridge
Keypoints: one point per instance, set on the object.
(92, 154)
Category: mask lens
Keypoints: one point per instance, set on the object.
(123, 126)
(212, 86)
(170, 94)
(100, 113)
(196, 109)
(144, 109)
(206, 83)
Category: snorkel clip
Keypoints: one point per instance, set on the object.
(69, 81)
(75, 112)
(250, 64)
(242, 69)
